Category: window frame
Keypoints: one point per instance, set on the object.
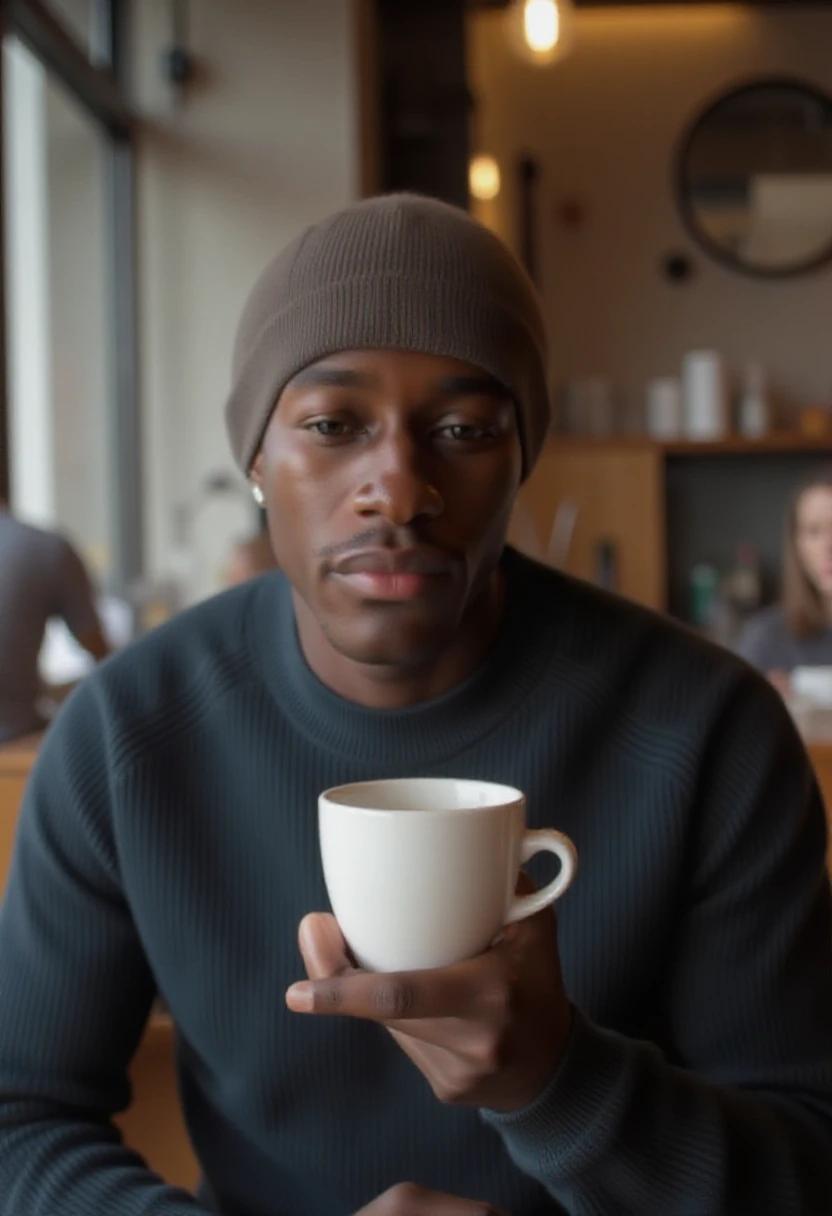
(98, 82)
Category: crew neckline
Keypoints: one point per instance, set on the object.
(432, 731)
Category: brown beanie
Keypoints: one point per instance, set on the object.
(398, 272)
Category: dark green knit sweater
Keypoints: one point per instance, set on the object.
(168, 845)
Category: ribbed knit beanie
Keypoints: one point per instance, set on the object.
(396, 272)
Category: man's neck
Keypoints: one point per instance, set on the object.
(379, 686)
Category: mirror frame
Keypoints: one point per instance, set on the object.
(687, 212)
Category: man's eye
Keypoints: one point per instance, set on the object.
(462, 432)
(329, 428)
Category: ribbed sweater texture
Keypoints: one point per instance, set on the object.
(168, 845)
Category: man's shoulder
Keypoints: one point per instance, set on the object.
(597, 619)
(30, 541)
(177, 674)
(211, 633)
(650, 686)
(614, 648)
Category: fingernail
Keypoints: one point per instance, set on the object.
(299, 998)
(303, 934)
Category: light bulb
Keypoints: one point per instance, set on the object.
(484, 178)
(541, 25)
(541, 30)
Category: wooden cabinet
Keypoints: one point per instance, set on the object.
(618, 494)
(667, 506)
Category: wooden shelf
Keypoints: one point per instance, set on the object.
(777, 441)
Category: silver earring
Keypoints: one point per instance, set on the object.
(258, 496)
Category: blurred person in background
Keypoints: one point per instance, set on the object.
(797, 630)
(41, 577)
(250, 556)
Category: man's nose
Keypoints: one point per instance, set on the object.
(398, 487)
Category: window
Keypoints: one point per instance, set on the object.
(61, 443)
(77, 17)
(70, 442)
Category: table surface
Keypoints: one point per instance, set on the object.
(815, 726)
(19, 756)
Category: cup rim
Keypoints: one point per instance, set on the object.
(504, 795)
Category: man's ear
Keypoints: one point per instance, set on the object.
(255, 473)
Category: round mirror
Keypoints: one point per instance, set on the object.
(755, 178)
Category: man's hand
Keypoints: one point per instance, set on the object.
(488, 1032)
(406, 1199)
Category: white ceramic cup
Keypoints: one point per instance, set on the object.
(421, 872)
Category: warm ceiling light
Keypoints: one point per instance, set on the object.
(484, 178)
(542, 30)
(541, 25)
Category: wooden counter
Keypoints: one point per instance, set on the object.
(153, 1125)
(16, 760)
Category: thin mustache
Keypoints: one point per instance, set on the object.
(379, 538)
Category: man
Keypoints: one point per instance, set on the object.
(41, 577)
(667, 1052)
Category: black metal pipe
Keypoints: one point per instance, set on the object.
(528, 171)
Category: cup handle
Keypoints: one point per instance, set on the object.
(550, 841)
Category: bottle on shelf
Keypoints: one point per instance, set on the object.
(705, 395)
(739, 596)
(663, 408)
(589, 407)
(754, 415)
(742, 585)
(703, 587)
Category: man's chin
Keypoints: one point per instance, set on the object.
(394, 645)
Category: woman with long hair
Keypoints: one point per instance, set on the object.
(797, 631)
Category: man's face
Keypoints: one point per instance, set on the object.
(389, 481)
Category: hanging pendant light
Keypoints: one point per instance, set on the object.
(541, 31)
(483, 178)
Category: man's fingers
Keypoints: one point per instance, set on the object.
(404, 996)
(322, 946)
(465, 990)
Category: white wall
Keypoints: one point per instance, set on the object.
(605, 124)
(265, 142)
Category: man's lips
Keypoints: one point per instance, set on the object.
(393, 574)
(393, 561)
